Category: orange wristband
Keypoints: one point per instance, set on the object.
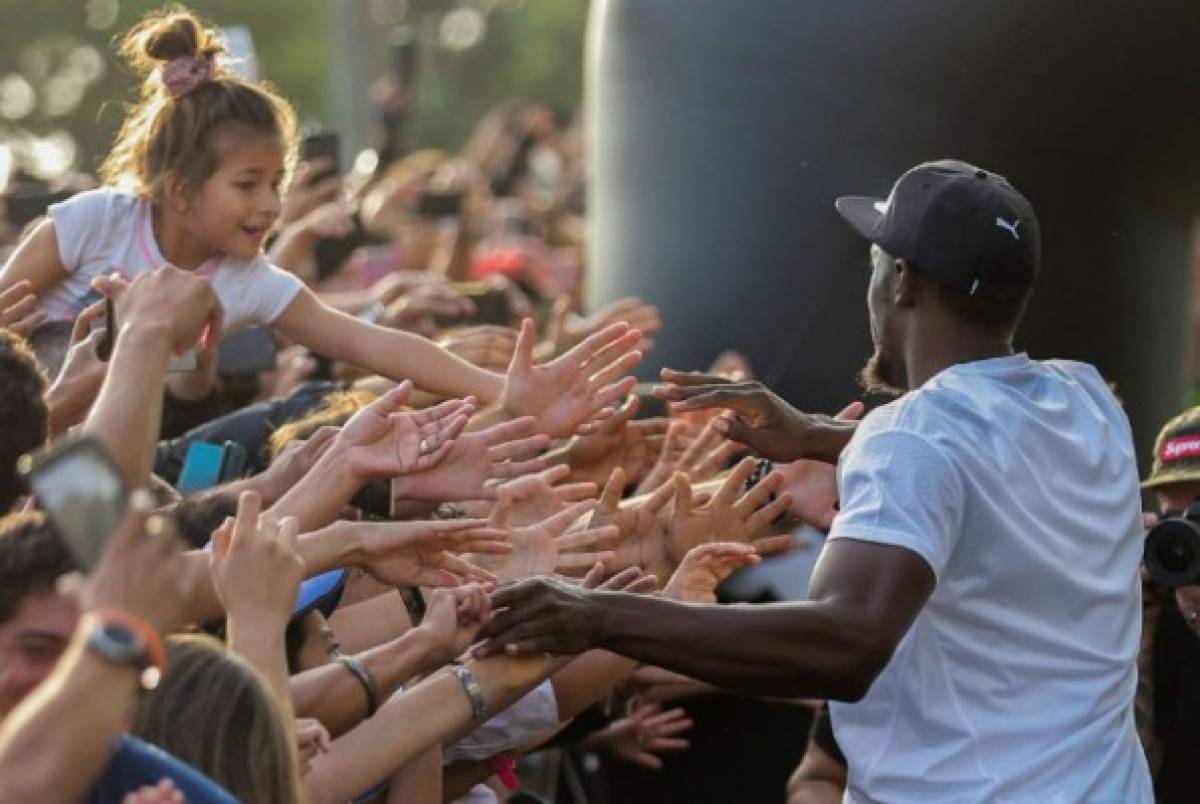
(156, 652)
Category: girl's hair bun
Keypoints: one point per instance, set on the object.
(169, 34)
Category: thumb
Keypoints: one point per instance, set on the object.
(523, 353)
(852, 411)
(733, 428)
(558, 317)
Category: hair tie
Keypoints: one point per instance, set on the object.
(183, 74)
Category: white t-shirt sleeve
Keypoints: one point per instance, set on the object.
(897, 488)
(82, 225)
(255, 293)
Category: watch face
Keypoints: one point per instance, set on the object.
(120, 636)
(118, 644)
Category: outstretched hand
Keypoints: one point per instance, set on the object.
(575, 391)
(385, 441)
(705, 567)
(620, 441)
(476, 463)
(757, 417)
(427, 554)
(730, 515)
(545, 547)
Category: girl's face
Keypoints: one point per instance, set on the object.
(238, 204)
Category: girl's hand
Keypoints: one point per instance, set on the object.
(311, 739)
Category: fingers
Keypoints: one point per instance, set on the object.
(15, 293)
(606, 397)
(692, 378)
(594, 576)
(463, 568)
(519, 448)
(610, 498)
(394, 399)
(573, 542)
(522, 359)
(502, 512)
(594, 345)
(614, 370)
(563, 519)
(656, 501)
(851, 412)
(768, 514)
(574, 492)
(734, 483)
(683, 496)
(504, 432)
(579, 561)
(508, 470)
(757, 496)
(772, 545)
(245, 524)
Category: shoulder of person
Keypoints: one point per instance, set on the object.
(102, 202)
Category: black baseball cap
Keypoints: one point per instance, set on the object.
(958, 224)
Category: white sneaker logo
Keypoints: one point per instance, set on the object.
(1011, 228)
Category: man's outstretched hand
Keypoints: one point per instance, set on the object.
(541, 615)
(757, 417)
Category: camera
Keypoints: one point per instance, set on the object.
(1172, 552)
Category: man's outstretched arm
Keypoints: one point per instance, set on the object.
(865, 596)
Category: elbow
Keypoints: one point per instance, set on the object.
(852, 679)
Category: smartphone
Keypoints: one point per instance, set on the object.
(491, 306)
(107, 323)
(247, 352)
(439, 204)
(201, 467)
(331, 253)
(322, 145)
(404, 55)
(80, 488)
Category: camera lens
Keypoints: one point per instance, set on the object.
(1172, 553)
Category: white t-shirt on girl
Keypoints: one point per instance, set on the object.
(105, 231)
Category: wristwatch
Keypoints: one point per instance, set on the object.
(123, 639)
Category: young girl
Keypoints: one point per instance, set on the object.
(194, 180)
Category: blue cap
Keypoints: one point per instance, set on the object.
(321, 592)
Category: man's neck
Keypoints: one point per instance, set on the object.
(938, 348)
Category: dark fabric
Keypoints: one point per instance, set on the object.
(251, 427)
(822, 735)
(136, 764)
(1176, 706)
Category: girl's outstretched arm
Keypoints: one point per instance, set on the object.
(393, 353)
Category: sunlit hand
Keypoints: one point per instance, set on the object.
(476, 462)
(619, 442)
(642, 532)
(453, 619)
(729, 516)
(569, 392)
(254, 564)
(386, 441)
(425, 553)
(705, 567)
(533, 498)
(545, 547)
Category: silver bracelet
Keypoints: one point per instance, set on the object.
(472, 689)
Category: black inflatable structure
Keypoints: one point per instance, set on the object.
(722, 130)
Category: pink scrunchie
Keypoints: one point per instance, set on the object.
(181, 75)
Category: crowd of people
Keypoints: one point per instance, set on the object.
(324, 485)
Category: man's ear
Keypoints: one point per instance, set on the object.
(906, 284)
(176, 193)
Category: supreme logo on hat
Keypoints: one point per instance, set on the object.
(1181, 448)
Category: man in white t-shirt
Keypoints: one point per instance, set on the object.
(974, 616)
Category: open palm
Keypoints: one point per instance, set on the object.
(729, 516)
(571, 390)
(545, 547)
(705, 567)
(642, 532)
